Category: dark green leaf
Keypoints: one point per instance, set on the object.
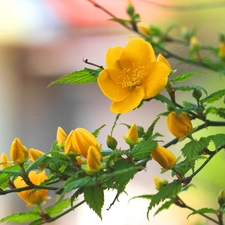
(78, 77)
(165, 205)
(164, 99)
(190, 88)
(143, 149)
(214, 96)
(166, 192)
(184, 76)
(203, 211)
(96, 132)
(150, 130)
(148, 197)
(94, 197)
(218, 140)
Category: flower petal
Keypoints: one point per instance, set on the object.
(137, 51)
(162, 59)
(129, 103)
(156, 80)
(109, 85)
(113, 56)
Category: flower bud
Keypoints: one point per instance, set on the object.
(18, 152)
(197, 94)
(222, 49)
(221, 198)
(130, 9)
(111, 142)
(164, 157)
(60, 136)
(31, 197)
(93, 159)
(4, 161)
(179, 125)
(144, 29)
(34, 154)
(159, 183)
(69, 145)
(83, 140)
(131, 137)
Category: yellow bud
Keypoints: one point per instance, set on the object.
(222, 49)
(18, 152)
(69, 145)
(221, 198)
(159, 183)
(34, 154)
(132, 135)
(164, 157)
(144, 28)
(37, 197)
(83, 140)
(93, 159)
(4, 161)
(60, 136)
(179, 125)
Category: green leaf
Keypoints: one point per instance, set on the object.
(166, 192)
(164, 99)
(218, 140)
(150, 130)
(79, 77)
(148, 197)
(57, 208)
(165, 205)
(94, 197)
(214, 96)
(184, 76)
(203, 211)
(143, 149)
(190, 88)
(22, 217)
(96, 132)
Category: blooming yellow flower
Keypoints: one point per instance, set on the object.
(60, 136)
(93, 159)
(179, 125)
(132, 74)
(18, 152)
(37, 197)
(164, 157)
(34, 154)
(83, 140)
(132, 135)
(4, 160)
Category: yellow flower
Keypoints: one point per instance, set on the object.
(179, 125)
(60, 136)
(18, 152)
(70, 143)
(37, 197)
(222, 49)
(93, 159)
(34, 154)
(4, 161)
(132, 74)
(159, 183)
(164, 157)
(132, 135)
(83, 140)
(144, 28)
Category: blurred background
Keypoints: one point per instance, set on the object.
(43, 40)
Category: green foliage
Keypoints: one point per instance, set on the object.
(84, 76)
(214, 96)
(190, 88)
(94, 197)
(165, 205)
(185, 76)
(150, 130)
(203, 211)
(164, 99)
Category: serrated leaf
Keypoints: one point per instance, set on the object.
(166, 192)
(150, 130)
(164, 99)
(96, 132)
(214, 96)
(184, 76)
(203, 211)
(78, 77)
(190, 88)
(218, 140)
(148, 197)
(165, 205)
(57, 208)
(143, 149)
(221, 112)
(22, 217)
(94, 197)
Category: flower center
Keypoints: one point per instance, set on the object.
(132, 76)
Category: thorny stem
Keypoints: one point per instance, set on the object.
(179, 202)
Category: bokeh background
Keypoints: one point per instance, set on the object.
(43, 40)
